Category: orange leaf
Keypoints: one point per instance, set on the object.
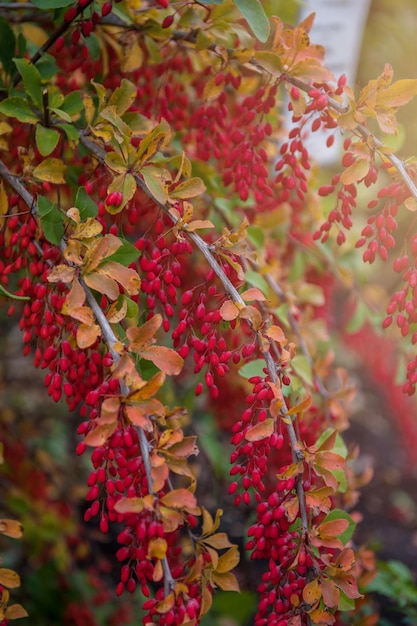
(102, 283)
(144, 335)
(334, 528)
(331, 595)
(138, 418)
(277, 334)
(75, 298)
(253, 316)
(166, 359)
(226, 581)
(130, 505)
(292, 470)
(253, 294)
(87, 335)
(100, 434)
(11, 528)
(302, 406)
(229, 311)
(179, 499)
(261, 430)
(355, 172)
(82, 314)
(125, 276)
(184, 448)
(349, 586)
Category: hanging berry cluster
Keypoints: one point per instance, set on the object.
(152, 230)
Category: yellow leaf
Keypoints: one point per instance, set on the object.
(51, 170)
(157, 548)
(89, 108)
(117, 311)
(188, 189)
(87, 335)
(319, 616)
(4, 201)
(132, 57)
(100, 434)
(397, 94)
(87, 229)
(197, 225)
(15, 611)
(228, 560)
(355, 172)
(99, 249)
(61, 273)
(226, 581)
(219, 541)
(261, 430)
(166, 359)
(411, 204)
(229, 311)
(11, 528)
(312, 592)
(9, 578)
(153, 142)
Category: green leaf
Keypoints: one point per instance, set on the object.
(47, 66)
(345, 603)
(253, 368)
(122, 97)
(46, 139)
(85, 204)
(336, 514)
(51, 4)
(61, 114)
(256, 235)
(339, 446)
(256, 280)
(302, 367)
(71, 132)
(52, 220)
(132, 308)
(7, 47)
(73, 104)
(254, 14)
(126, 254)
(93, 46)
(155, 184)
(18, 108)
(31, 80)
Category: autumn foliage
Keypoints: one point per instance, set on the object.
(168, 247)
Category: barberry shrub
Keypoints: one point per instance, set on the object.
(163, 243)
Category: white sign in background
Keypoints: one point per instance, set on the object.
(338, 26)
